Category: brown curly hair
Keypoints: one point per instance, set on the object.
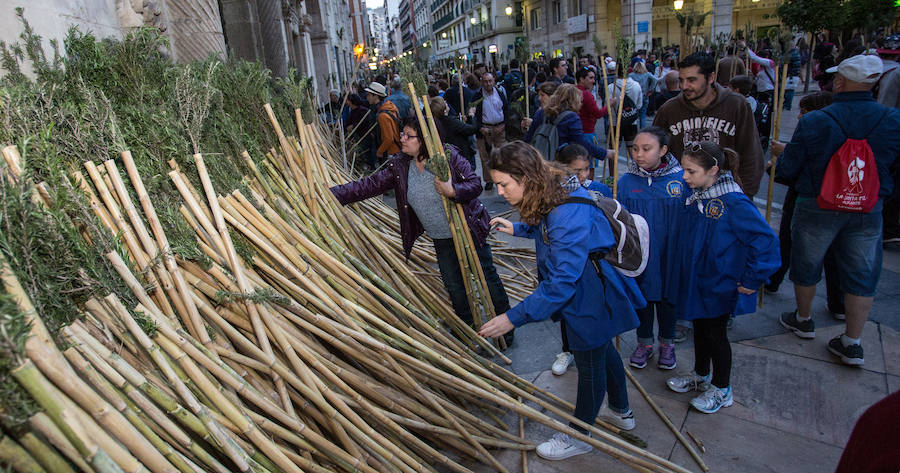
(566, 97)
(542, 179)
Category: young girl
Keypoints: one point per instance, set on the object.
(596, 307)
(653, 188)
(726, 251)
(575, 158)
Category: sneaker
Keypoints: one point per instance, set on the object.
(689, 382)
(713, 399)
(838, 315)
(681, 333)
(852, 355)
(561, 365)
(623, 421)
(561, 446)
(641, 356)
(804, 329)
(666, 357)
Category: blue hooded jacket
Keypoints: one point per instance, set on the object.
(658, 196)
(595, 308)
(723, 241)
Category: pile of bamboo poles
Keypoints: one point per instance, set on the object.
(325, 352)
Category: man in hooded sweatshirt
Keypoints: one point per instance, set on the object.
(387, 133)
(706, 111)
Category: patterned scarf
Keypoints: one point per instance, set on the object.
(723, 185)
(671, 166)
(571, 183)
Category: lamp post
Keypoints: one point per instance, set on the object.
(508, 10)
(678, 4)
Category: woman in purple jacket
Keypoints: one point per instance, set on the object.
(419, 193)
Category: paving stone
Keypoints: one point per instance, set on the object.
(893, 383)
(817, 349)
(737, 445)
(890, 344)
(799, 395)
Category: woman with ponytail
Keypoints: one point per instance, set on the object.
(595, 300)
(726, 251)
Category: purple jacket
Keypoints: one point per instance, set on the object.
(395, 176)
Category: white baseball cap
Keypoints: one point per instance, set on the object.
(377, 89)
(862, 68)
(611, 65)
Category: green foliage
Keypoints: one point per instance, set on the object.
(258, 296)
(409, 72)
(17, 405)
(810, 15)
(868, 15)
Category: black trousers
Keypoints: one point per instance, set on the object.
(711, 345)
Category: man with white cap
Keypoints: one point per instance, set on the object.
(387, 118)
(818, 140)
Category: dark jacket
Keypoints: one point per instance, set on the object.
(478, 97)
(456, 133)
(818, 137)
(451, 96)
(569, 130)
(395, 175)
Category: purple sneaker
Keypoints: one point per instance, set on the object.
(641, 356)
(666, 356)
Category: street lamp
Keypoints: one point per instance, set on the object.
(678, 4)
(444, 35)
(473, 20)
(508, 10)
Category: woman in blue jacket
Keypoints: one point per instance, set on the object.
(596, 307)
(652, 188)
(726, 252)
(564, 105)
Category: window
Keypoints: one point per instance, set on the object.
(576, 7)
(535, 21)
(557, 12)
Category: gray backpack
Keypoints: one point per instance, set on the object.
(546, 137)
(631, 231)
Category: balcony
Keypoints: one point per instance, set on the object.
(442, 22)
(437, 4)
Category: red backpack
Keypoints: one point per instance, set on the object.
(851, 182)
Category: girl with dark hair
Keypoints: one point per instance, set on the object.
(576, 159)
(596, 301)
(562, 110)
(726, 251)
(653, 188)
(419, 205)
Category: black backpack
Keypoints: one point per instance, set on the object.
(546, 137)
(630, 113)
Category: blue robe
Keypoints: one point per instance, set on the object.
(728, 243)
(595, 309)
(661, 203)
(600, 187)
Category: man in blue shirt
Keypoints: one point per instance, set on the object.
(857, 236)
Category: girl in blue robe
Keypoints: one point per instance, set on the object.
(726, 252)
(575, 157)
(653, 188)
(596, 301)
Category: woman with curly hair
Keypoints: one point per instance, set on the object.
(562, 111)
(595, 300)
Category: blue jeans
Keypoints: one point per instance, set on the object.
(642, 118)
(452, 276)
(856, 238)
(598, 370)
(665, 313)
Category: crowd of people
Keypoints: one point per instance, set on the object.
(691, 175)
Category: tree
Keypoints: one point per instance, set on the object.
(868, 15)
(813, 17)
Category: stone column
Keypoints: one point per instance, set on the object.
(637, 18)
(274, 37)
(721, 17)
(196, 29)
(241, 25)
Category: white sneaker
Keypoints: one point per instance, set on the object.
(689, 382)
(563, 360)
(623, 421)
(561, 446)
(713, 399)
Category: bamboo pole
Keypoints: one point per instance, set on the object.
(615, 163)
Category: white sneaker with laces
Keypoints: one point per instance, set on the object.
(713, 399)
(561, 446)
(689, 382)
(623, 421)
(563, 360)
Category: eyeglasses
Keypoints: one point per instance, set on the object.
(697, 147)
(403, 135)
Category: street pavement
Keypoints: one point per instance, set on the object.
(795, 404)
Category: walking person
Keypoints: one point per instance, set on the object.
(562, 111)
(647, 81)
(421, 210)
(387, 120)
(653, 188)
(597, 302)
(589, 111)
(490, 119)
(451, 130)
(634, 100)
(820, 138)
(725, 252)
